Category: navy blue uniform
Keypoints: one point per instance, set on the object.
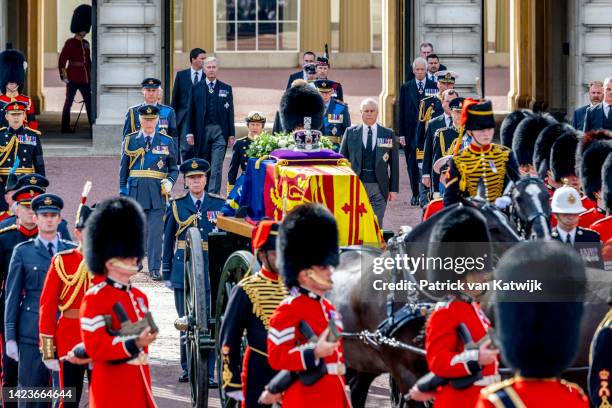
(239, 159)
(166, 123)
(336, 120)
(601, 363)
(181, 215)
(430, 107)
(587, 244)
(140, 177)
(24, 283)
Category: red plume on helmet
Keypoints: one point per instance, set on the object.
(466, 104)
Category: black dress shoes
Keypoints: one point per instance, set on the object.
(183, 378)
(414, 202)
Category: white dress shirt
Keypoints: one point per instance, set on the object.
(563, 235)
(606, 109)
(448, 121)
(208, 83)
(200, 74)
(364, 134)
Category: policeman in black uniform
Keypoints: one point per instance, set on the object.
(255, 123)
(195, 209)
(250, 308)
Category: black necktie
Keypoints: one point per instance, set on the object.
(211, 87)
(370, 142)
(50, 248)
(198, 204)
(196, 78)
(568, 239)
(420, 87)
(148, 143)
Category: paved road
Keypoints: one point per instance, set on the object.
(67, 176)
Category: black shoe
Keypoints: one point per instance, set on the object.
(212, 384)
(69, 130)
(183, 378)
(414, 202)
(155, 276)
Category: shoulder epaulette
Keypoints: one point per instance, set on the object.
(68, 242)
(440, 130)
(135, 106)
(165, 106)
(66, 251)
(96, 288)
(38, 132)
(133, 133)
(574, 387)
(9, 228)
(241, 138)
(24, 243)
(339, 102)
(2, 128)
(217, 196)
(166, 135)
(494, 388)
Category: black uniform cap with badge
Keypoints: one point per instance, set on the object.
(324, 85)
(526, 134)
(456, 104)
(151, 83)
(81, 19)
(323, 61)
(12, 69)
(307, 237)
(193, 167)
(47, 203)
(148, 112)
(255, 117)
(115, 229)
(539, 331)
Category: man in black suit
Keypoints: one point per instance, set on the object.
(600, 116)
(595, 96)
(308, 58)
(425, 50)
(410, 96)
(566, 206)
(372, 151)
(183, 81)
(210, 126)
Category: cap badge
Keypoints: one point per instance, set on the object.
(48, 201)
(151, 82)
(31, 193)
(15, 106)
(149, 110)
(33, 180)
(448, 75)
(194, 165)
(571, 199)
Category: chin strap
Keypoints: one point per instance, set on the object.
(122, 265)
(325, 284)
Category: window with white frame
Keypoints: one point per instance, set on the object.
(257, 25)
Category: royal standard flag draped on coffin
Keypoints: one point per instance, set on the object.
(336, 187)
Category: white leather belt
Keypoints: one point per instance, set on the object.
(488, 380)
(336, 368)
(142, 359)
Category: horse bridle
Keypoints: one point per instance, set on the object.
(526, 227)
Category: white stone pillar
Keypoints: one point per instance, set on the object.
(454, 27)
(129, 50)
(3, 13)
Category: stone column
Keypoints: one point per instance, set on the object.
(355, 26)
(502, 23)
(521, 54)
(390, 61)
(198, 25)
(35, 53)
(51, 26)
(315, 27)
(129, 49)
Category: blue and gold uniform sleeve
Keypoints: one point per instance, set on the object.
(124, 168)
(451, 189)
(172, 160)
(234, 324)
(168, 243)
(232, 174)
(129, 124)
(601, 365)
(38, 160)
(14, 286)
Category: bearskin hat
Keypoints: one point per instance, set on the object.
(307, 236)
(591, 163)
(510, 123)
(81, 19)
(526, 134)
(528, 324)
(462, 233)
(543, 146)
(116, 228)
(298, 102)
(12, 68)
(606, 177)
(585, 142)
(563, 156)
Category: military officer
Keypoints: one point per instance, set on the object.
(249, 309)
(21, 143)
(147, 174)
(12, 81)
(337, 118)
(113, 249)
(256, 122)
(600, 368)
(27, 272)
(23, 230)
(151, 89)
(322, 72)
(195, 209)
(66, 283)
(566, 208)
(549, 322)
(482, 161)
(308, 276)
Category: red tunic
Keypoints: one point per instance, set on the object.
(288, 349)
(76, 53)
(590, 216)
(126, 383)
(5, 214)
(433, 207)
(603, 227)
(30, 112)
(535, 393)
(446, 356)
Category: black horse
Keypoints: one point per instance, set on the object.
(530, 211)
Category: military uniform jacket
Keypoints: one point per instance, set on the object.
(436, 123)
(181, 215)
(65, 286)
(532, 392)
(495, 165)
(587, 243)
(289, 350)
(31, 121)
(589, 217)
(166, 123)
(23, 143)
(141, 171)
(336, 120)
(600, 386)
(429, 107)
(250, 308)
(120, 374)
(603, 227)
(444, 142)
(27, 272)
(239, 158)
(62, 228)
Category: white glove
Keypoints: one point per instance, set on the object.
(236, 395)
(503, 202)
(167, 186)
(52, 365)
(168, 284)
(11, 350)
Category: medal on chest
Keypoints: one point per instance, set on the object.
(160, 164)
